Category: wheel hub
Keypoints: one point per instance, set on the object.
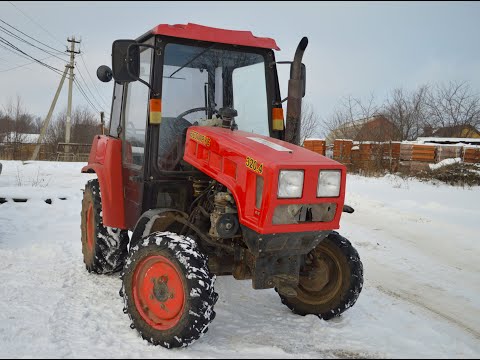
(317, 277)
(161, 292)
(322, 276)
(158, 292)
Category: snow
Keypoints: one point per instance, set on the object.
(23, 137)
(419, 244)
(457, 141)
(444, 163)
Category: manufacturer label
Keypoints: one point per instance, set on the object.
(205, 140)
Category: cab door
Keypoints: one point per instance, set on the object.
(135, 125)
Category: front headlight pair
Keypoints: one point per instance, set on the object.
(290, 183)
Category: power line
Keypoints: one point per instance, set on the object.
(20, 66)
(88, 89)
(12, 46)
(6, 42)
(29, 57)
(13, 52)
(85, 96)
(79, 87)
(33, 20)
(91, 79)
(30, 37)
(8, 32)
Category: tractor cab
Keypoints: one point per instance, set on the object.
(201, 166)
(179, 76)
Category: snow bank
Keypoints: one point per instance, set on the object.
(444, 163)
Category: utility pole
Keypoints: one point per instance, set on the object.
(49, 115)
(70, 66)
(70, 84)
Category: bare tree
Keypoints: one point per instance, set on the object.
(349, 118)
(37, 124)
(84, 127)
(407, 111)
(16, 120)
(4, 125)
(453, 105)
(15, 123)
(310, 122)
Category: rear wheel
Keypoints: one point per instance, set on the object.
(168, 290)
(330, 281)
(104, 248)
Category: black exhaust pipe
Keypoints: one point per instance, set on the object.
(295, 94)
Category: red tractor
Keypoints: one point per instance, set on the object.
(200, 165)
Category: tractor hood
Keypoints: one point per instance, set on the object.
(249, 165)
(266, 150)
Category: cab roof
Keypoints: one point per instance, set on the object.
(205, 33)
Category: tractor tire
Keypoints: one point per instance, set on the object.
(168, 290)
(104, 248)
(330, 281)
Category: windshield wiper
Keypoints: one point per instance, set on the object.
(194, 58)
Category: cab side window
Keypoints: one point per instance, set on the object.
(136, 110)
(116, 112)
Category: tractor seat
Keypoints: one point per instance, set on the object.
(171, 144)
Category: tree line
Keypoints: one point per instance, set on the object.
(16, 123)
(413, 113)
(447, 106)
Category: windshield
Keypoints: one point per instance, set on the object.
(198, 81)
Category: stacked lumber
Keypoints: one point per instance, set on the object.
(471, 155)
(315, 145)
(420, 153)
(447, 152)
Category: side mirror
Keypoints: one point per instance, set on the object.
(104, 73)
(125, 61)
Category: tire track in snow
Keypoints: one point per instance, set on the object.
(409, 278)
(415, 300)
(416, 290)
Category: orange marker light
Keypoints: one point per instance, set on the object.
(155, 111)
(277, 117)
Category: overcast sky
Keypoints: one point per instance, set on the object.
(354, 48)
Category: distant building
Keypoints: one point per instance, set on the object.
(375, 128)
(458, 131)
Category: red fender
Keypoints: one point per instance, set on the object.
(106, 161)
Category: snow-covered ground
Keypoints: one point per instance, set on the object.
(419, 243)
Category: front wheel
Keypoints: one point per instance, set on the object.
(168, 290)
(330, 281)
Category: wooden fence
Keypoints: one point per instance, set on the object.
(392, 155)
(59, 152)
(316, 145)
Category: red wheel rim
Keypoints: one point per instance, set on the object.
(158, 292)
(90, 227)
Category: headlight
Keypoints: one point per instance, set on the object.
(290, 184)
(329, 183)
